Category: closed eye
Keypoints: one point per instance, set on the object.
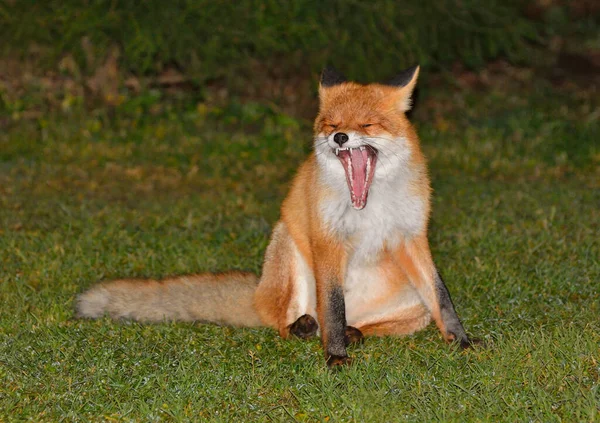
(332, 126)
(366, 125)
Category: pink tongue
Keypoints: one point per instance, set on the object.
(355, 165)
(359, 173)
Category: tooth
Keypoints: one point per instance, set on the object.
(362, 148)
(337, 151)
(351, 173)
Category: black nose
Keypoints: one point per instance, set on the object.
(340, 138)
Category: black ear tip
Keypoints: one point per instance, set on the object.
(330, 77)
(404, 77)
(412, 69)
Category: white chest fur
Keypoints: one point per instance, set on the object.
(393, 212)
(394, 209)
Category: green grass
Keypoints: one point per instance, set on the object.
(93, 196)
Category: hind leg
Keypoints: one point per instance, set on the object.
(415, 259)
(353, 335)
(286, 295)
(305, 327)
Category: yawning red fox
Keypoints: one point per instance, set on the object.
(349, 256)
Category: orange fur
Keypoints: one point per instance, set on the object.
(368, 268)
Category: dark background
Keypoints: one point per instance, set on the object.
(106, 52)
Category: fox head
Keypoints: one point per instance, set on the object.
(362, 134)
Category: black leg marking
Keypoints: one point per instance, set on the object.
(353, 336)
(450, 318)
(336, 328)
(305, 327)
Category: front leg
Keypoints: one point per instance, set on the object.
(415, 259)
(333, 324)
(331, 309)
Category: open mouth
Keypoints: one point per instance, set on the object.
(359, 164)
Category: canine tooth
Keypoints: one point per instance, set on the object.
(362, 148)
(337, 151)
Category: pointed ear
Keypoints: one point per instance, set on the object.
(405, 81)
(405, 77)
(331, 77)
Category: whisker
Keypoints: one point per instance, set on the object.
(380, 148)
(383, 151)
(380, 138)
(384, 156)
(317, 153)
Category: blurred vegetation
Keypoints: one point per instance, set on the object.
(66, 54)
(211, 40)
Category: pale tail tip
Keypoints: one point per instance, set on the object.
(92, 304)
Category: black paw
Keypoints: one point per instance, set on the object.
(305, 327)
(465, 342)
(353, 336)
(337, 360)
(472, 343)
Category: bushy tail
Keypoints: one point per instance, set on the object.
(223, 298)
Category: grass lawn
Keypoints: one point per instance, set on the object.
(179, 188)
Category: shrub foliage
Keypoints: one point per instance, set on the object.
(210, 39)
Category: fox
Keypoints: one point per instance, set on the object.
(349, 256)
